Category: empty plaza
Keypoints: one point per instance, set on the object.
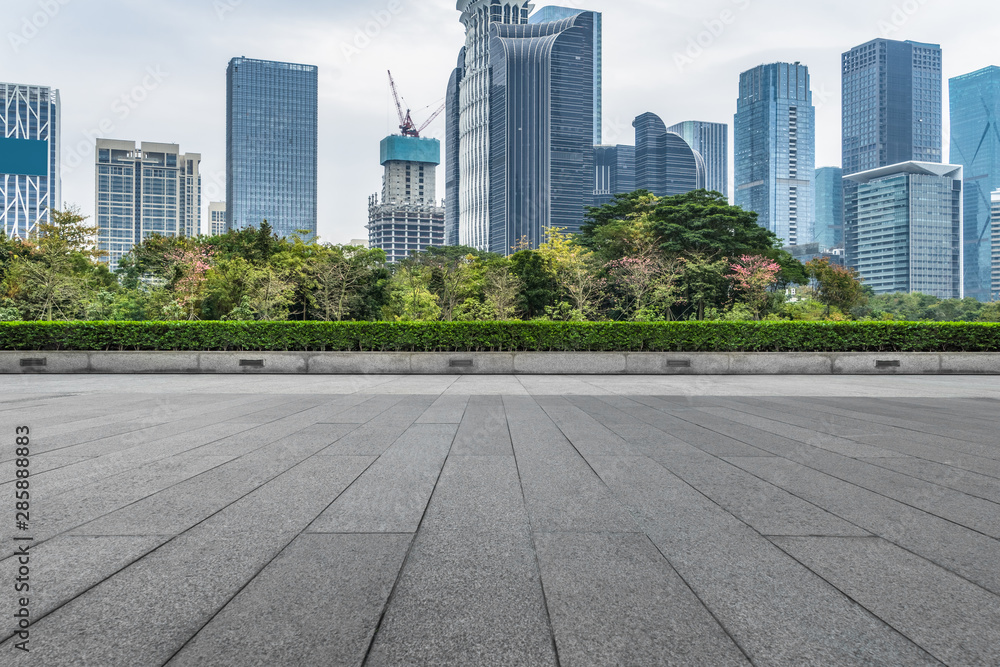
(504, 520)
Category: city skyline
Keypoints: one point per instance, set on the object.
(133, 96)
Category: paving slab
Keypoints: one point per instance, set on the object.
(615, 600)
(954, 620)
(777, 611)
(329, 592)
(483, 431)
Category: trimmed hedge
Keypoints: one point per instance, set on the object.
(503, 336)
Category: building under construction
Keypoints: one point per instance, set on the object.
(406, 218)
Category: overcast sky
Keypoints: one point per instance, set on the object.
(156, 71)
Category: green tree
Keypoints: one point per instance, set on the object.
(838, 286)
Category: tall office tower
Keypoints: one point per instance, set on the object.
(711, 140)
(453, 135)
(271, 145)
(217, 218)
(541, 129)
(828, 230)
(664, 163)
(776, 149)
(891, 114)
(614, 171)
(995, 290)
(909, 228)
(975, 144)
(144, 190)
(407, 219)
(550, 14)
(30, 180)
(474, 113)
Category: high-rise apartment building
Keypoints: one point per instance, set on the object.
(144, 190)
(407, 219)
(975, 144)
(891, 113)
(30, 180)
(217, 218)
(828, 229)
(474, 104)
(711, 141)
(775, 143)
(909, 228)
(541, 129)
(665, 164)
(271, 145)
(614, 172)
(551, 14)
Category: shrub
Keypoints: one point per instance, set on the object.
(780, 336)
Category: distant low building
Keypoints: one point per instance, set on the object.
(909, 228)
(810, 251)
(217, 218)
(614, 172)
(407, 219)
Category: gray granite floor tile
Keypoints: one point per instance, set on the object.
(777, 611)
(955, 621)
(392, 495)
(615, 600)
(588, 435)
(147, 612)
(330, 591)
(445, 410)
(967, 553)
(483, 431)
(467, 598)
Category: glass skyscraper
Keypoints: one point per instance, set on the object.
(909, 228)
(828, 230)
(541, 135)
(474, 106)
(995, 290)
(453, 137)
(891, 113)
(30, 179)
(144, 190)
(614, 169)
(775, 137)
(975, 144)
(664, 163)
(271, 145)
(550, 14)
(711, 141)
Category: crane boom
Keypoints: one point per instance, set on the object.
(406, 124)
(431, 119)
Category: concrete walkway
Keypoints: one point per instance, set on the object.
(506, 520)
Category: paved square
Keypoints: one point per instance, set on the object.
(573, 521)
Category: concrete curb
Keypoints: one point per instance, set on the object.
(501, 363)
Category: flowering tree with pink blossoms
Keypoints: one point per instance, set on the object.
(752, 276)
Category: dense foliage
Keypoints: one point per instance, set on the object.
(504, 336)
(639, 258)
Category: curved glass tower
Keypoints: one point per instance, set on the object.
(664, 163)
(474, 113)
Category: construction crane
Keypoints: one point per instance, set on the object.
(406, 124)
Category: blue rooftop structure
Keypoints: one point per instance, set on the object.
(410, 149)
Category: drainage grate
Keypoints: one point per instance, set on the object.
(679, 363)
(887, 364)
(251, 363)
(461, 363)
(33, 362)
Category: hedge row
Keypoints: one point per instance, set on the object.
(503, 336)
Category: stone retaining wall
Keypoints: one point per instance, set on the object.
(502, 363)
